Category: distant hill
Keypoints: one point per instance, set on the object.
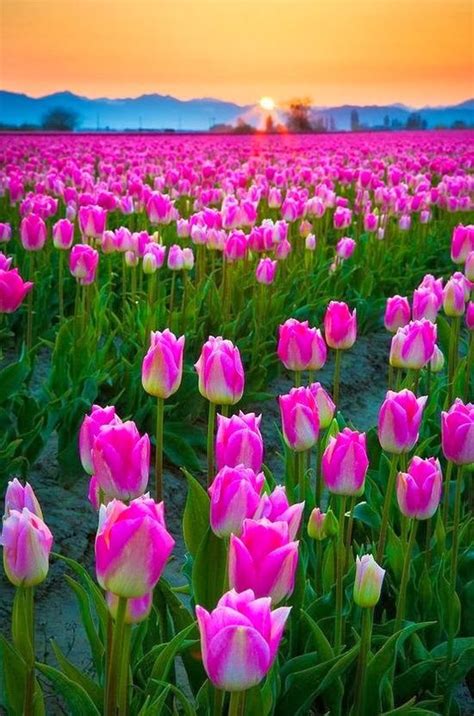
(155, 111)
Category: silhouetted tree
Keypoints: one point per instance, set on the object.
(299, 116)
(355, 122)
(60, 119)
(243, 127)
(269, 124)
(414, 121)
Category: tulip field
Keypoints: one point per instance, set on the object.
(237, 428)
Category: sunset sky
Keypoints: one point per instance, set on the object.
(333, 51)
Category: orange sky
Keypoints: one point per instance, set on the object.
(334, 51)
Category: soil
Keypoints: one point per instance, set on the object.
(73, 521)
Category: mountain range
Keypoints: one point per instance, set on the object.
(155, 111)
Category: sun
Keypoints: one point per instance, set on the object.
(268, 104)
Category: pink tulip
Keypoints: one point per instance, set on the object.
(368, 581)
(425, 305)
(457, 433)
(310, 242)
(83, 262)
(175, 258)
(160, 209)
(470, 316)
(276, 508)
(33, 232)
(413, 345)
(220, 372)
(419, 489)
(19, 496)
(301, 347)
(188, 259)
(63, 234)
(162, 367)
(300, 419)
(435, 285)
(469, 267)
(240, 639)
(399, 421)
(345, 247)
(342, 218)
(283, 250)
(235, 494)
(340, 326)
(121, 460)
(5, 232)
(239, 441)
(90, 428)
(263, 559)
(397, 313)
(12, 290)
(26, 542)
(265, 272)
(345, 462)
(462, 242)
(132, 547)
(324, 403)
(5, 262)
(92, 221)
(454, 298)
(138, 608)
(370, 222)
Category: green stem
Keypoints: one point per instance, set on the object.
(210, 443)
(453, 357)
(364, 651)
(447, 480)
(26, 646)
(452, 581)
(113, 674)
(300, 466)
(237, 703)
(340, 575)
(160, 409)
(386, 508)
(124, 671)
(173, 288)
(318, 576)
(319, 477)
(349, 532)
(297, 378)
(337, 378)
(29, 324)
(469, 364)
(61, 284)
(219, 695)
(402, 595)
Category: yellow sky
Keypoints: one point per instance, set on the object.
(334, 51)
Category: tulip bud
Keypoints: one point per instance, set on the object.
(239, 441)
(276, 508)
(265, 272)
(324, 403)
(453, 298)
(470, 316)
(419, 489)
(91, 425)
(344, 464)
(399, 421)
(437, 360)
(462, 243)
(33, 232)
(220, 372)
(121, 460)
(263, 559)
(300, 420)
(83, 262)
(397, 313)
(63, 234)
(457, 433)
(340, 326)
(162, 367)
(316, 525)
(132, 547)
(301, 347)
(469, 267)
(240, 639)
(26, 542)
(235, 494)
(19, 496)
(368, 581)
(12, 290)
(413, 345)
(345, 247)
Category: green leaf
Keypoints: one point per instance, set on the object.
(12, 677)
(13, 377)
(196, 514)
(395, 555)
(334, 695)
(209, 570)
(165, 659)
(74, 695)
(366, 514)
(97, 647)
(383, 661)
(94, 691)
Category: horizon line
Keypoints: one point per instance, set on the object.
(227, 101)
